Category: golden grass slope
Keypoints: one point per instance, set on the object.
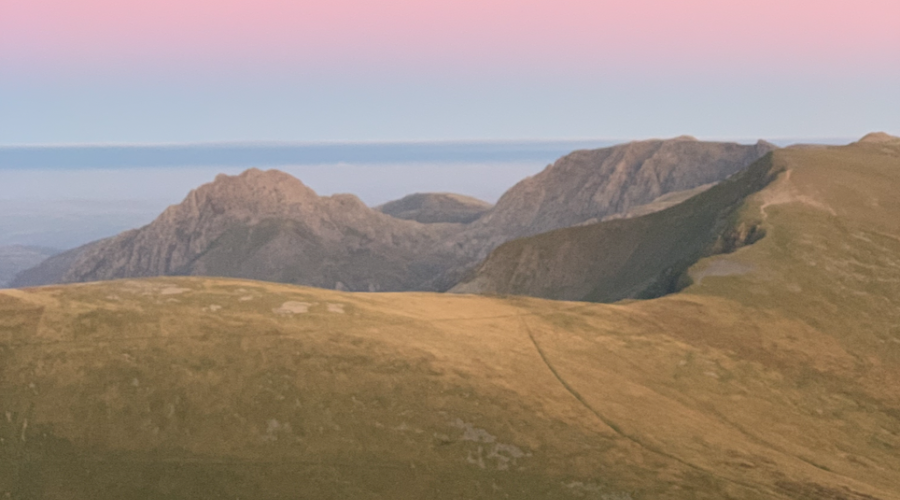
(775, 375)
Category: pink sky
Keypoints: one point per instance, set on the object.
(75, 71)
(529, 35)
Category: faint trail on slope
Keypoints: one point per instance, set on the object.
(616, 428)
(783, 191)
(569, 388)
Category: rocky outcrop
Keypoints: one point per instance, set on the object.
(270, 226)
(430, 208)
(593, 184)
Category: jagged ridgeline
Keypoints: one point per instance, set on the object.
(774, 375)
(269, 226)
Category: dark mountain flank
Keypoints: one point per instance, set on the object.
(641, 257)
(269, 226)
(648, 256)
(429, 208)
(591, 185)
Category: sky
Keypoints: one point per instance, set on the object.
(174, 71)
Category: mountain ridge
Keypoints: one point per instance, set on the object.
(596, 184)
(642, 257)
(271, 226)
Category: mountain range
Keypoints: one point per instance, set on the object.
(269, 226)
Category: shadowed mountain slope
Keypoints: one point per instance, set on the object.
(775, 375)
(645, 256)
(592, 185)
(429, 208)
(641, 257)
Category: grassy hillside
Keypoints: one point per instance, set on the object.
(776, 374)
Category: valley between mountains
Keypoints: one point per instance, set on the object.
(182, 359)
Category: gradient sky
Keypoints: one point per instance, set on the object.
(113, 71)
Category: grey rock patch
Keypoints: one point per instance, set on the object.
(292, 307)
(490, 452)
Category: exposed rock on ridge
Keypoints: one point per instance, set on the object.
(592, 184)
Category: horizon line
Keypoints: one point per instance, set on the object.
(266, 142)
(386, 142)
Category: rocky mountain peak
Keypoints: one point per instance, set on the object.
(251, 195)
(589, 184)
(268, 225)
(269, 192)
